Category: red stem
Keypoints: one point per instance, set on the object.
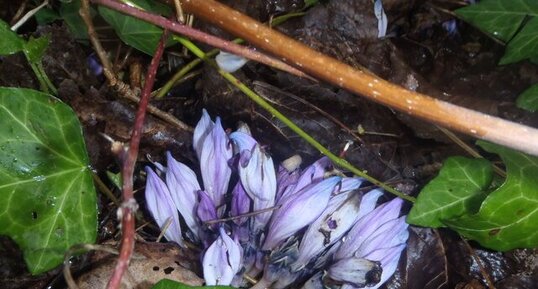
(201, 36)
(129, 204)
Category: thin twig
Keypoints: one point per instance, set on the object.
(216, 221)
(129, 203)
(28, 15)
(467, 121)
(123, 89)
(201, 36)
(103, 188)
(471, 151)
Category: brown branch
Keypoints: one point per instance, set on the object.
(129, 204)
(460, 119)
(201, 36)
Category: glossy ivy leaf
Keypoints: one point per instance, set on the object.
(503, 19)
(135, 32)
(500, 18)
(508, 217)
(458, 189)
(11, 42)
(47, 197)
(169, 284)
(35, 48)
(69, 13)
(529, 99)
(524, 45)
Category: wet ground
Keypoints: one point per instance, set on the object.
(419, 52)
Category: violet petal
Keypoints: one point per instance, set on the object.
(299, 210)
(221, 261)
(367, 225)
(161, 206)
(202, 129)
(214, 163)
(339, 216)
(356, 272)
(184, 187)
(206, 209)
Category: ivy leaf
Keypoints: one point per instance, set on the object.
(524, 45)
(458, 189)
(47, 197)
(499, 18)
(35, 48)
(508, 217)
(135, 32)
(529, 99)
(169, 284)
(11, 42)
(69, 13)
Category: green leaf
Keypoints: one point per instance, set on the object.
(47, 197)
(35, 48)
(458, 189)
(524, 45)
(508, 217)
(503, 19)
(529, 99)
(11, 42)
(169, 284)
(69, 13)
(500, 18)
(46, 15)
(135, 32)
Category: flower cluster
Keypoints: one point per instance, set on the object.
(291, 228)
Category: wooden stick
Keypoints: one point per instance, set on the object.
(314, 63)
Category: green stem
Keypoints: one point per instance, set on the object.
(46, 78)
(265, 105)
(191, 65)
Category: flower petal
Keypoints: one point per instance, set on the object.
(214, 158)
(367, 225)
(221, 261)
(299, 210)
(184, 187)
(257, 175)
(202, 129)
(161, 206)
(339, 216)
(240, 203)
(354, 271)
(389, 234)
(313, 173)
(229, 62)
(389, 263)
(206, 209)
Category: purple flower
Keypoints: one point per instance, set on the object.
(299, 210)
(222, 260)
(257, 175)
(354, 271)
(313, 173)
(206, 210)
(214, 156)
(378, 236)
(184, 187)
(162, 207)
(240, 203)
(320, 226)
(329, 227)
